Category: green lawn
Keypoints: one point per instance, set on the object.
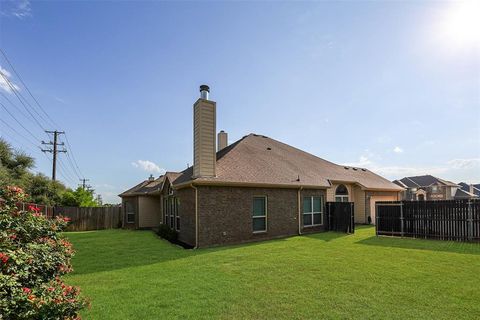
(136, 275)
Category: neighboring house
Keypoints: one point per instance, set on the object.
(470, 188)
(428, 187)
(257, 188)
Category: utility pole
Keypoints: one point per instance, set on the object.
(54, 150)
(84, 183)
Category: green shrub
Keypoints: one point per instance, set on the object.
(32, 260)
(165, 232)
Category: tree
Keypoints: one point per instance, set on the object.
(33, 257)
(15, 169)
(79, 198)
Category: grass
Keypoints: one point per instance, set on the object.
(136, 275)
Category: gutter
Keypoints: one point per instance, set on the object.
(196, 215)
(299, 210)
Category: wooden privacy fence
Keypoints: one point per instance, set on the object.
(91, 218)
(457, 220)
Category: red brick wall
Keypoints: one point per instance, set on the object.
(225, 214)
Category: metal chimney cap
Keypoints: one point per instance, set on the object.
(204, 87)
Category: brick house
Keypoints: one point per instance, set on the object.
(428, 187)
(257, 188)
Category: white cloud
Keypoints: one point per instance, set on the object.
(4, 84)
(16, 8)
(148, 166)
(464, 163)
(454, 170)
(397, 149)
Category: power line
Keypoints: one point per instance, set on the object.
(15, 139)
(66, 174)
(14, 118)
(73, 156)
(17, 94)
(18, 133)
(26, 87)
(16, 107)
(72, 166)
(60, 172)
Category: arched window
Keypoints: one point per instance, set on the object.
(341, 194)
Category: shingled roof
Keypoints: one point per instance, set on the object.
(259, 160)
(424, 181)
(145, 187)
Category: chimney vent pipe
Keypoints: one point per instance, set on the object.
(204, 91)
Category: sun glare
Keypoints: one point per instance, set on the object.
(462, 23)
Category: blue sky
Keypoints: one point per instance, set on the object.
(391, 86)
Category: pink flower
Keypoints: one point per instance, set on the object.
(4, 257)
(67, 219)
(26, 290)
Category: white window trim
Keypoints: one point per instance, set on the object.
(342, 196)
(265, 216)
(313, 212)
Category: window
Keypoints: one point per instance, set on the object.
(172, 212)
(130, 212)
(434, 188)
(341, 194)
(259, 214)
(165, 211)
(177, 217)
(312, 211)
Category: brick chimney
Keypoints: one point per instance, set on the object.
(204, 129)
(222, 138)
(472, 191)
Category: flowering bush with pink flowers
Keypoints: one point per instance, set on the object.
(33, 257)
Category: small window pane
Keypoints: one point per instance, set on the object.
(259, 224)
(307, 219)
(317, 204)
(317, 219)
(258, 206)
(307, 204)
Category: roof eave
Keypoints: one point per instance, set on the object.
(246, 184)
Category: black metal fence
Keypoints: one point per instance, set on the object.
(457, 220)
(340, 216)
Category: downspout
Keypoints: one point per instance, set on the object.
(196, 215)
(299, 210)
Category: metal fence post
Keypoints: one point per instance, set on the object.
(402, 223)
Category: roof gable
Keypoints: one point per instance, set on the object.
(425, 181)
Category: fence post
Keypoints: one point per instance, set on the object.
(329, 216)
(352, 218)
(402, 223)
(470, 221)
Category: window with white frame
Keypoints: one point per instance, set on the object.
(341, 194)
(312, 211)
(130, 212)
(259, 214)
